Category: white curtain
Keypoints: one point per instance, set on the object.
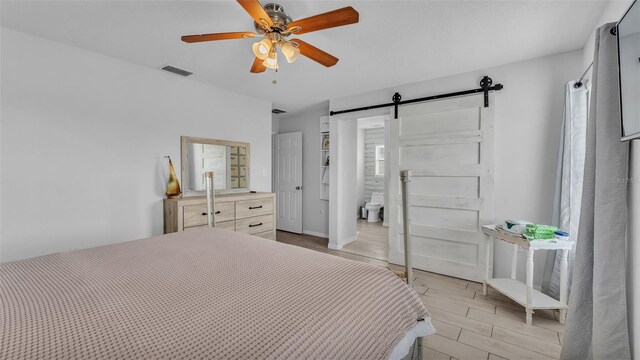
(569, 176)
(597, 320)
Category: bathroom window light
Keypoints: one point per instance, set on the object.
(379, 160)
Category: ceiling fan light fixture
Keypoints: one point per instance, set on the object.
(273, 24)
(262, 48)
(290, 52)
(271, 62)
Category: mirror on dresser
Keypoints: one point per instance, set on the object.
(229, 161)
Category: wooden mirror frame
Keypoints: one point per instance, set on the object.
(184, 161)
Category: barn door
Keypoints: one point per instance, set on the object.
(448, 146)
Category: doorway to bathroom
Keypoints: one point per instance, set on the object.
(372, 239)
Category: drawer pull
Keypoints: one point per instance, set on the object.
(205, 214)
(254, 225)
(255, 207)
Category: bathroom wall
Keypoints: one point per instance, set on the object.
(372, 183)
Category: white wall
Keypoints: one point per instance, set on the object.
(612, 13)
(528, 115)
(360, 179)
(83, 139)
(315, 212)
(342, 197)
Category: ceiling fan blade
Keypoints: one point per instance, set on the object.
(316, 54)
(217, 36)
(340, 17)
(257, 66)
(256, 11)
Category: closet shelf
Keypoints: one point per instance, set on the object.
(324, 157)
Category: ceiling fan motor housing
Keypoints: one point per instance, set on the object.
(278, 16)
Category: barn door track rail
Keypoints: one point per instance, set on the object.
(486, 85)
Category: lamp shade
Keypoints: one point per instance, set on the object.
(262, 48)
(290, 52)
(271, 62)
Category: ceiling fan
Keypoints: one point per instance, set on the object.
(275, 26)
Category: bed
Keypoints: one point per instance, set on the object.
(205, 294)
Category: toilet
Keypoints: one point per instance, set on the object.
(373, 207)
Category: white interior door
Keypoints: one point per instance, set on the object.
(448, 146)
(288, 181)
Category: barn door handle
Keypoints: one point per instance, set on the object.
(255, 207)
(298, 187)
(254, 225)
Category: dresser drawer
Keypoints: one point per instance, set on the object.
(227, 225)
(255, 225)
(249, 208)
(225, 211)
(196, 215)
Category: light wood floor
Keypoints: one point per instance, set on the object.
(373, 241)
(469, 325)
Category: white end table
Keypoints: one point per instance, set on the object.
(525, 294)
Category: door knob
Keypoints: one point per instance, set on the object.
(298, 187)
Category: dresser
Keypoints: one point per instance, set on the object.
(248, 213)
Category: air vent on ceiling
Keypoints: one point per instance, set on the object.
(278, 111)
(175, 70)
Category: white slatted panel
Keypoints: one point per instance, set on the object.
(448, 146)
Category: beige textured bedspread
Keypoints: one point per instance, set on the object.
(201, 294)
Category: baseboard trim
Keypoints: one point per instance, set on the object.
(351, 239)
(333, 246)
(315, 233)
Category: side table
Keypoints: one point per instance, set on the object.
(525, 294)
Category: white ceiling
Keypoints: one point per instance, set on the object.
(396, 42)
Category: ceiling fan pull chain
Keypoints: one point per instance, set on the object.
(275, 80)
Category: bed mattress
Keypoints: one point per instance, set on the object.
(204, 294)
